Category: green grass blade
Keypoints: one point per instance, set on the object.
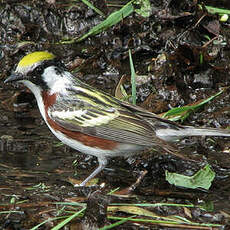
(166, 222)
(181, 113)
(133, 79)
(90, 5)
(67, 220)
(117, 223)
(111, 20)
(214, 10)
(46, 221)
(9, 212)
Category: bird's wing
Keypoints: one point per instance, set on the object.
(97, 114)
(156, 121)
(107, 123)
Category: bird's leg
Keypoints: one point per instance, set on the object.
(102, 163)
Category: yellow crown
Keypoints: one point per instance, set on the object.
(35, 57)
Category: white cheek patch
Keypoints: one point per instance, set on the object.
(59, 86)
(55, 81)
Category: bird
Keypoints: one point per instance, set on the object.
(91, 121)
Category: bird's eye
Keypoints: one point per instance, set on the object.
(38, 71)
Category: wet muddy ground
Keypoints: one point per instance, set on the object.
(181, 56)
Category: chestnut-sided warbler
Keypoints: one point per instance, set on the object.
(91, 121)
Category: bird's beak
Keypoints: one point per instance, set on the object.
(14, 77)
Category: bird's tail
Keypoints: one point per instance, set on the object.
(185, 131)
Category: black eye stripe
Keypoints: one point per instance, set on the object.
(40, 68)
(37, 71)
